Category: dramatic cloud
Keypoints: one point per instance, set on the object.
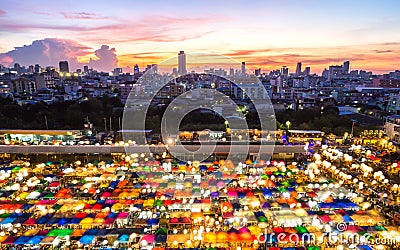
(47, 52)
(2, 12)
(107, 59)
(50, 51)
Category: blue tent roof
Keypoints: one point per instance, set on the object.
(86, 239)
(64, 221)
(102, 232)
(91, 232)
(75, 221)
(8, 220)
(347, 218)
(124, 238)
(153, 222)
(364, 247)
(22, 240)
(35, 240)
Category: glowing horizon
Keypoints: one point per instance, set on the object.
(264, 34)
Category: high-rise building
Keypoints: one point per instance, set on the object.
(31, 69)
(346, 67)
(86, 69)
(63, 66)
(117, 71)
(181, 63)
(307, 71)
(284, 71)
(243, 68)
(17, 67)
(37, 68)
(298, 69)
(231, 72)
(257, 72)
(136, 69)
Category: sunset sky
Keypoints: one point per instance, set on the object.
(265, 34)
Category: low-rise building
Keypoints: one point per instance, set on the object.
(392, 128)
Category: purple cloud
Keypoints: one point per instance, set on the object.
(107, 59)
(2, 12)
(49, 51)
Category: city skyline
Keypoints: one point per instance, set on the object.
(264, 35)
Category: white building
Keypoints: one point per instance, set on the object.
(392, 128)
(181, 63)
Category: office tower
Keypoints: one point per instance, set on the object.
(136, 69)
(86, 69)
(243, 68)
(181, 63)
(284, 71)
(346, 67)
(307, 71)
(257, 72)
(31, 69)
(37, 68)
(325, 73)
(298, 69)
(231, 72)
(175, 71)
(117, 71)
(63, 66)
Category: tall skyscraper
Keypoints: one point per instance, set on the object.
(307, 71)
(284, 71)
(37, 68)
(63, 66)
(181, 63)
(86, 69)
(136, 69)
(231, 72)
(243, 68)
(298, 69)
(346, 67)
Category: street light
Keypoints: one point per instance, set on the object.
(170, 141)
(288, 124)
(227, 130)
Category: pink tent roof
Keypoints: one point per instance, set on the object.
(123, 215)
(149, 238)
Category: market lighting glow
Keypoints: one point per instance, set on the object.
(192, 193)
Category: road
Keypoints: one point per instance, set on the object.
(109, 149)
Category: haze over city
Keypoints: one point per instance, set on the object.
(265, 34)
